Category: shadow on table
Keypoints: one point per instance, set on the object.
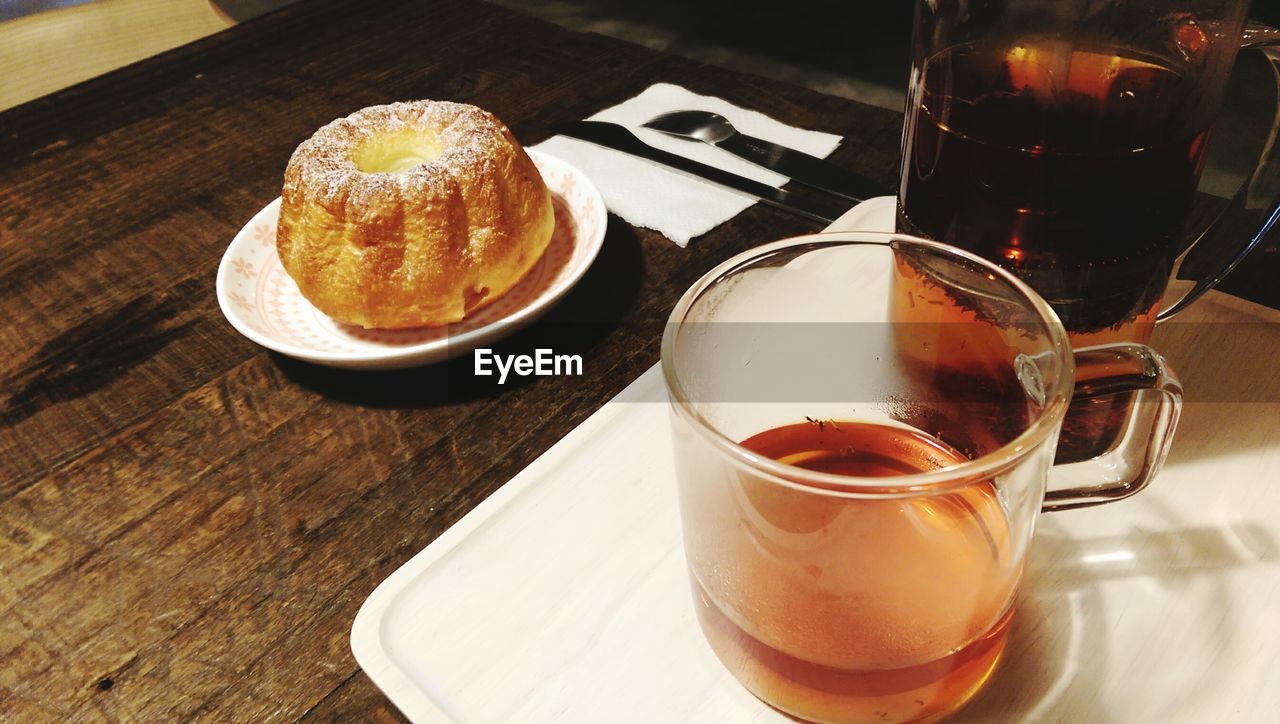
(1061, 638)
(594, 309)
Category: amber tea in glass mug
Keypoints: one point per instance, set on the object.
(856, 509)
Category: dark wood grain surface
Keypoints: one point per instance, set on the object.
(188, 523)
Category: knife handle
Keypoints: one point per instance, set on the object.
(802, 168)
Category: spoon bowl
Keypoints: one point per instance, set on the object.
(700, 125)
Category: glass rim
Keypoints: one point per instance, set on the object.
(832, 484)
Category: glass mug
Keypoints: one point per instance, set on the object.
(1065, 142)
(857, 495)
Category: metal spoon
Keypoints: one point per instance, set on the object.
(716, 130)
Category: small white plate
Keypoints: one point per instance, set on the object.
(262, 302)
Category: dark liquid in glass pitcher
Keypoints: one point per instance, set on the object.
(1072, 166)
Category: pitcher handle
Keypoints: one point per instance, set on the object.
(1252, 212)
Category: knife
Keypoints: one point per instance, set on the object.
(619, 138)
(812, 171)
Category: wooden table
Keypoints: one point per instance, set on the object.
(188, 523)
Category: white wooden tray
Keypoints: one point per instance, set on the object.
(563, 597)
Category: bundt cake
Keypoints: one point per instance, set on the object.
(411, 214)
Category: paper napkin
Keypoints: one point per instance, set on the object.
(676, 205)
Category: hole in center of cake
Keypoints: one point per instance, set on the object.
(395, 155)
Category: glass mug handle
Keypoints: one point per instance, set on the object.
(1107, 370)
(1251, 213)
